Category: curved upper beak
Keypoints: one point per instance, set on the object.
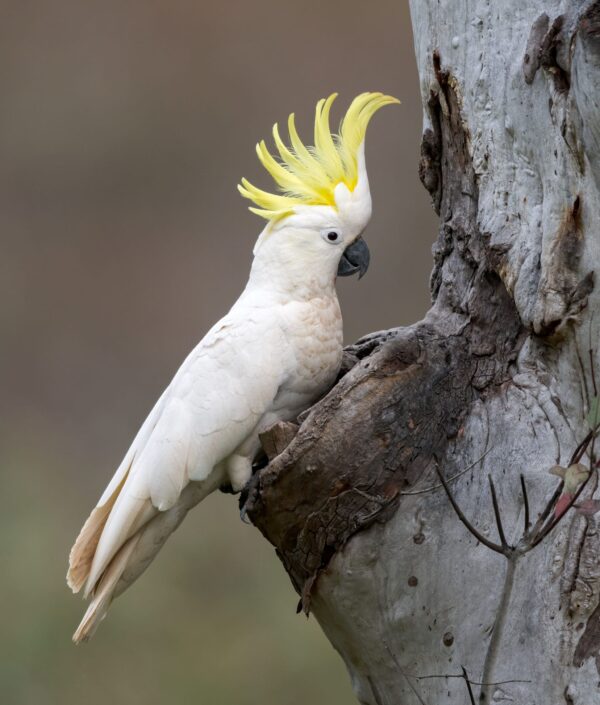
(355, 259)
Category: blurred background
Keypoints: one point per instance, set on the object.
(124, 129)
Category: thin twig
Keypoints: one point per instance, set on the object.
(541, 534)
(460, 675)
(591, 356)
(551, 525)
(586, 393)
(595, 417)
(450, 479)
(591, 353)
(375, 691)
(592, 454)
(406, 678)
(491, 657)
(468, 682)
(548, 508)
(525, 504)
(575, 458)
(503, 541)
(371, 497)
(582, 447)
(459, 513)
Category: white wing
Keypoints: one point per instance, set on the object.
(212, 405)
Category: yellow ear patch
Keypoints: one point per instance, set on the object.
(309, 175)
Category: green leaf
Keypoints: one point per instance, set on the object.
(593, 417)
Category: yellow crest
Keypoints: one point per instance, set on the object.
(309, 175)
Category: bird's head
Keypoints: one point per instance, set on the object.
(316, 221)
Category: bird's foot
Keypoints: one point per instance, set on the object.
(247, 497)
(249, 493)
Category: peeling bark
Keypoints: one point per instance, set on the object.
(492, 382)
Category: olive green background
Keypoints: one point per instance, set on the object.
(124, 128)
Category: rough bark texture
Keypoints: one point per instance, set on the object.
(495, 381)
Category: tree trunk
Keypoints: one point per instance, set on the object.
(495, 382)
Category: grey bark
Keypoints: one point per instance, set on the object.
(495, 381)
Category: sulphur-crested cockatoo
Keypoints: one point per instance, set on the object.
(274, 354)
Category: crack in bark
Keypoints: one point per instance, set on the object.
(562, 294)
(589, 22)
(550, 49)
(588, 645)
(577, 565)
(531, 60)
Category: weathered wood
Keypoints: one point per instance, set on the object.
(494, 381)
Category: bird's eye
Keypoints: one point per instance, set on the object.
(331, 235)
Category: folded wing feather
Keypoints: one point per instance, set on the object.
(213, 403)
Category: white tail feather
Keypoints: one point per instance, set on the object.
(84, 548)
(132, 559)
(103, 594)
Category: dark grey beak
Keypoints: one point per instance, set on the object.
(356, 258)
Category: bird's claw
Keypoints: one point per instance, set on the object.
(244, 515)
(248, 496)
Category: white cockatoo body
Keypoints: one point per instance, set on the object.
(274, 354)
